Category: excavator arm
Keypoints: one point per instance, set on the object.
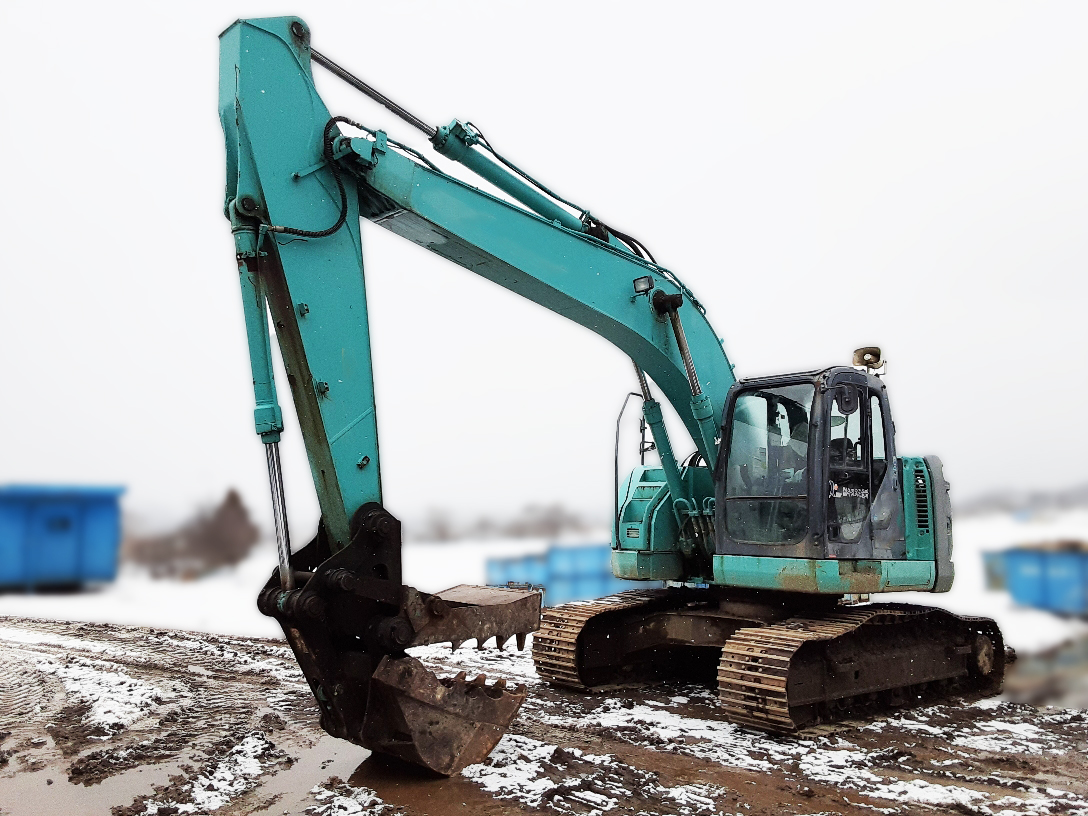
(297, 187)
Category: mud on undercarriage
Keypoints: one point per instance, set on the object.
(779, 665)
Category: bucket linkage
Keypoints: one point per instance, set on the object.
(350, 620)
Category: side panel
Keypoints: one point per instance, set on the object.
(942, 524)
(825, 576)
(918, 491)
(637, 565)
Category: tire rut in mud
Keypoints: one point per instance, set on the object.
(206, 720)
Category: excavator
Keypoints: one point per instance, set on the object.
(764, 545)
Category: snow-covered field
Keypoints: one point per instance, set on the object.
(225, 602)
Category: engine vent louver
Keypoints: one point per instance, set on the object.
(921, 501)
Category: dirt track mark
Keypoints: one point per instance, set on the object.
(220, 720)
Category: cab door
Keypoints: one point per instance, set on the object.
(864, 508)
(886, 512)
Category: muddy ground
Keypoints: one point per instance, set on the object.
(100, 719)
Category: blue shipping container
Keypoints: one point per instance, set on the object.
(567, 573)
(53, 535)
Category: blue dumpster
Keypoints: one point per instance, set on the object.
(530, 569)
(568, 573)
(1024, 576)
(54, 535)
(1064, 578)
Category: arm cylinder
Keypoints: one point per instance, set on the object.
(456, 142)
(267, 416)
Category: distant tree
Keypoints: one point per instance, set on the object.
(533, 521)
(438, 526)
(207, 542)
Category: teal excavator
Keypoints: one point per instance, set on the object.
(769, 539)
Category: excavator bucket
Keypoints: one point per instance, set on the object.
(349, 631)
(443, 725)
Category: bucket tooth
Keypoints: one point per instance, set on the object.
(413, 715)
(481, 642)
(500, 641)
(455, 645)
(520, 639)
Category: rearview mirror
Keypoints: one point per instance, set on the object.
(847, 399)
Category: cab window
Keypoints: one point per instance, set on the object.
(767, 465)
(848, 465)
(876, 433)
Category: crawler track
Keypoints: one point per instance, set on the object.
(555, 644)
(781, 676)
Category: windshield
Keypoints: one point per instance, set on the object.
(765, 482)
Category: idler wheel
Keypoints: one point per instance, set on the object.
(982, 653)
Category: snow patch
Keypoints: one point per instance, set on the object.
(541, 775)
(345, 800)
(229, 778)
(116, 699)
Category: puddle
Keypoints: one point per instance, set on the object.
(289, 790)
(28, 793)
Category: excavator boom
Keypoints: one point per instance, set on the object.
(296, 190)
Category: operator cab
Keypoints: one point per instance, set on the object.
(806, 469)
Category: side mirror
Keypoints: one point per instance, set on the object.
(847, 399)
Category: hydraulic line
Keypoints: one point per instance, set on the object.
(326, 149)
(372, 92)
(430, 131)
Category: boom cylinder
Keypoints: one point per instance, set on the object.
(702, 408)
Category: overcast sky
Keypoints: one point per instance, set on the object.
(822, 175)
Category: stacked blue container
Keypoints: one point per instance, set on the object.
(58, 536)
(530, 569)
(1052, 577)
(568, 573)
